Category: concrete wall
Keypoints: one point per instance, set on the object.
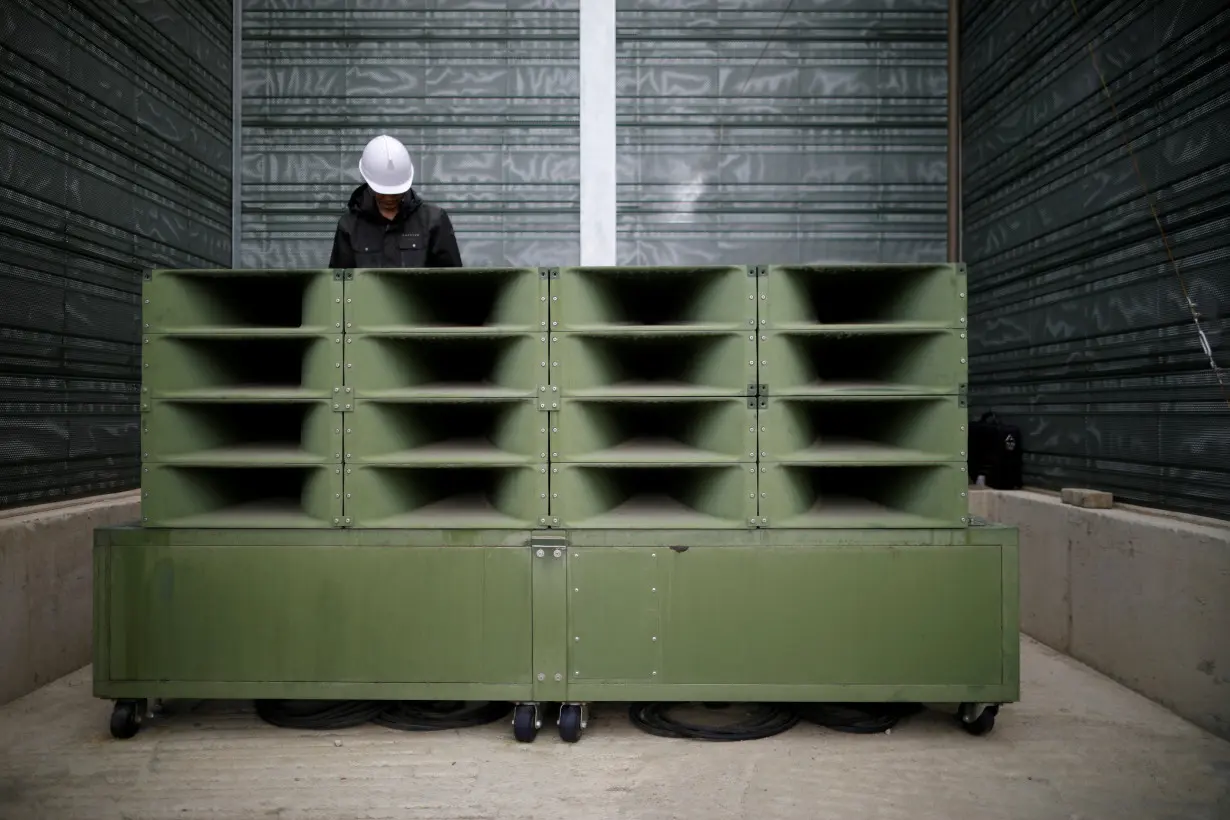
(46, 620)
(1142, 597)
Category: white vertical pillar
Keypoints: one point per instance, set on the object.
(597, 59)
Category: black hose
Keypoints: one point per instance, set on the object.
(754, 722)
(431, 716)
(856, 718)
(317, 714)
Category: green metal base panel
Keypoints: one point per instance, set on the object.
(244, 619)
(598, 615)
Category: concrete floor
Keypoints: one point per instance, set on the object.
(1079, 747)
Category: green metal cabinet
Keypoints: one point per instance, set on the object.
(558, 615)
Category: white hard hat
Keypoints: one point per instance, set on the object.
(386, 166)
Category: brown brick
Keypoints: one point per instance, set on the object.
(1092, 499)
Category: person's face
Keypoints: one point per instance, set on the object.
(389, 202)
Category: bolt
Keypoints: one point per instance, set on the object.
(654, 638)
(541, 553)
(577, 638)
(557, 554)
(653, 589)
(542, 676)
(558, 676)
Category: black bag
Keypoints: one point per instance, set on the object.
(995, 453)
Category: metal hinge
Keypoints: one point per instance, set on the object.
(343, 399)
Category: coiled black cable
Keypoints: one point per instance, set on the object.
(856, 718)
(754, 721)
(432, 716)
(317, 714)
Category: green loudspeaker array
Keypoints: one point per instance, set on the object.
(447, 369)
(241, 374)
(861, 406)
(653, 416)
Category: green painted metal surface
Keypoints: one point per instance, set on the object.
(805, 496)
(274, 365)
(719, 482)
(689, 298)
(802, 296)
(446, 497)
(251, 495)
(237, 433)
(639, 390)
(653, 496)
(654, 431)
(444, 364)
(653, 363)
(925, 615)
(866, 360)
(464, 300)
(215, 301)
(247, 612)
(447, 432)
(863, 430)
(615, 614)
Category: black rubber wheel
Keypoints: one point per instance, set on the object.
(980, 726)
(125, 719)
(570, 723)
(525, 723)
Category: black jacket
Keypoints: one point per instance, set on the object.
(420, 236)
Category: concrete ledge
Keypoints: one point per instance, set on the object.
(1143, 598)
(46, 567)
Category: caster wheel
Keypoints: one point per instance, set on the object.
(126, 719)
(525, 722)
(570, 723)
(981, 725)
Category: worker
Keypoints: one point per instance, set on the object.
(386, 224)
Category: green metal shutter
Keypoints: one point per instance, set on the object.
(115, 150)
(484, 98)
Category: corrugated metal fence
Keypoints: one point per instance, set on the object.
(781, 131)
(115, 155)
(486, 100)
(1081, 328)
